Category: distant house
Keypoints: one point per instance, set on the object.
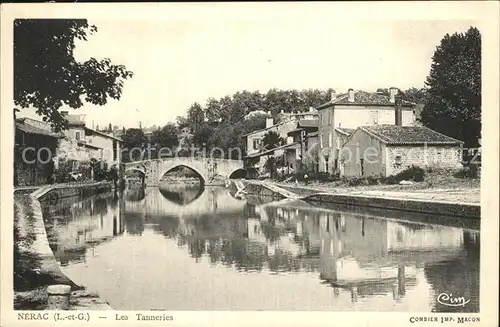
(304, 157)
(81, 144)
(346, 112)
(33, 151)
(256, 155)
(389, 149)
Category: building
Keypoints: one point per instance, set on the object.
(389, 149)
(81, 143)
(305, 157)
(76, 146)
(346, 112)
(257, 155)
(34, 146)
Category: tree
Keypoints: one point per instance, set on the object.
(166, 137)
(418, 96)
(202, 134)
(134, 141)
(454, 88)
(47, 76)
(271, 140)
(195, 115)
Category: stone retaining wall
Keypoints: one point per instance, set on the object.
(435, 207)
(49, 266)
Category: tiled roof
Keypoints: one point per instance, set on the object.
(103, 134)
(266, 152)
(308, 123)
(29, 129)
(408, 135)
(345, 131)
(363, 98)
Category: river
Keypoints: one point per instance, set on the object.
(186, 248)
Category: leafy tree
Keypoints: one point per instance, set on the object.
(133, 140)
(202, 134)
(166, 137)
(213, 110)
(454, 87)
(418, 96)
(195, 115)
(47, 76)
(272, 140)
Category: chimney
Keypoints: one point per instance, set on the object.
(333, 96)
(311, 109)
(393, 91)
(282, 111)
(269, 122)
(398, 111)
(64, 113)
(350, 97)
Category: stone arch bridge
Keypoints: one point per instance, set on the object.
(207, 169)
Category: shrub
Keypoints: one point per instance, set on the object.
(413, 173)
(373, 180)
(467, 172)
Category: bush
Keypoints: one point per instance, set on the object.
(373, 180)
(467, 172)
(414, 173)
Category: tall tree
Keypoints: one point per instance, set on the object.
(195, 115)
(47, 75)
(454, 86)
(166, 137)
(134, 142)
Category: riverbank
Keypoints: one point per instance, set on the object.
(417, 197)
(35, 264)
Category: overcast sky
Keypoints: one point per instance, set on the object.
(179, 62)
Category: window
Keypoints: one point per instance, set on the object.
(362, 164)
(77, 135)
(398, 161)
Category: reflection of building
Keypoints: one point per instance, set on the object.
(91, 221)
(368, 255)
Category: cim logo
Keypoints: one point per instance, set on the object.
(452, 301)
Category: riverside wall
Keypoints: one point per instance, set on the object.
(80, 298)
(346, 200)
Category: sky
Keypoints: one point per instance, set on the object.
(178, 62)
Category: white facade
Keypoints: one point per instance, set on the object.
(355, 116)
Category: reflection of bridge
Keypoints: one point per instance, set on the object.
(206, 168)
(212, 200)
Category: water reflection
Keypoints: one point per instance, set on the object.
(360, 259)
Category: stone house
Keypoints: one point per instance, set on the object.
(81, 144)
(385, 150)
(34, 148)
(346, 112)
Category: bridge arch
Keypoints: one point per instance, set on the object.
(196, 170)
(238, 173)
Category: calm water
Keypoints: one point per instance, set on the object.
(191, 249)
